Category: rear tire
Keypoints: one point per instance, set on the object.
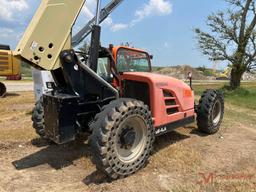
(38, 118)
(2, 90)
(210, 111)
(122, 138)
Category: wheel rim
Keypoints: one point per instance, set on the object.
(131, 139)
(216, 114)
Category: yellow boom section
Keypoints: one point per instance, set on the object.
(49, 33)
(9, 65)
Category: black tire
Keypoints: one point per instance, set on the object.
(2, 90)
(210, 111)
(109, 142)
(38, 118)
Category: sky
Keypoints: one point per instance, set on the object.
(162, 27)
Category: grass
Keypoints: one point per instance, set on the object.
(242, 97)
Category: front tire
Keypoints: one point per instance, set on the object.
(210, 111)
(122, 138)
(38, 118)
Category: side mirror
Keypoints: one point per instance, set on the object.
(190, 75)
(151, 57)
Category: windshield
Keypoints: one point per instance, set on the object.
(132, 61)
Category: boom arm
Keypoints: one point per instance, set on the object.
(49, 32)
(87, 29)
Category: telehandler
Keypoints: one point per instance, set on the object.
(108, 92)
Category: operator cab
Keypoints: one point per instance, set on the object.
(132, 60)
(122, 59)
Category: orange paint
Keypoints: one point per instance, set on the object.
(158, 84)
(188, 93)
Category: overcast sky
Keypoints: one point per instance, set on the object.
(162, 27)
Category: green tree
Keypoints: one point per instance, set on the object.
(85, 48)
(232, 38)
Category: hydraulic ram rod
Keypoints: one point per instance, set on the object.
(98, 12)
(87, 29)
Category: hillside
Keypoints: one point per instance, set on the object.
(181, 72)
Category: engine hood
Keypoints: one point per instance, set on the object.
(160, 81)
(171, 99)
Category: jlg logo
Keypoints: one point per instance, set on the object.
(161, 130)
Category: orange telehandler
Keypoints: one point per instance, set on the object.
(109, 93)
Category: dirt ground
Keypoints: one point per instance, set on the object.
(184, 160)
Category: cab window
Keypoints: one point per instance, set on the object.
(103, 69)
(132, 61)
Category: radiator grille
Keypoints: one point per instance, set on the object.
(170, 103)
